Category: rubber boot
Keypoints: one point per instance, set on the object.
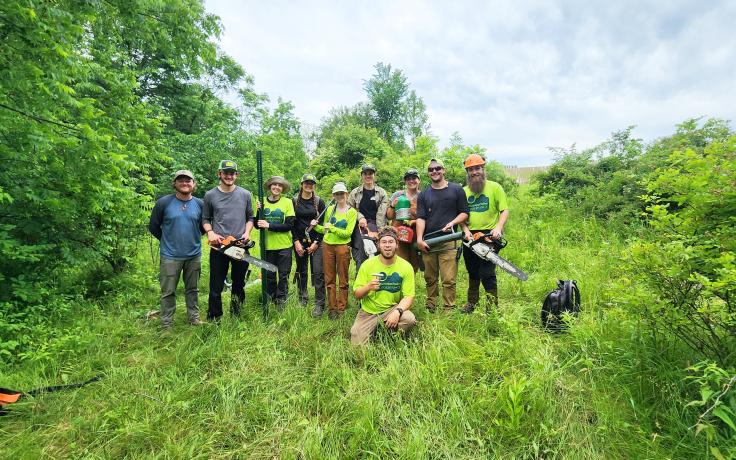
(473, 296)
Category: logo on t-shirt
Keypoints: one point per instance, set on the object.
(273, 216)
(479, 204)
(342, 223)
(391, 283)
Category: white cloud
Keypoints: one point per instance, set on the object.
(515, 78)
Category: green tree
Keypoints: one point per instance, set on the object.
(417, 120)
(387, 90)
(89, 92)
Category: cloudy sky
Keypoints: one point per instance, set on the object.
(515, 77)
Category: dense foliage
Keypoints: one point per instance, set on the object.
(676, 198)
(99, 103)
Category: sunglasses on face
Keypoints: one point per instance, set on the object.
(435, 169)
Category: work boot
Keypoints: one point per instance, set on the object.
(473, 296)
(334, 314)
(468, 308)
(196, 322)
(317, 311)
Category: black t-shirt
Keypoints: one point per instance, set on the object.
(439, 206)
(368, 206)
(305, 212)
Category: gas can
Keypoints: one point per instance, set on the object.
(403, 208)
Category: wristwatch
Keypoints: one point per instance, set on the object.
(401, 311)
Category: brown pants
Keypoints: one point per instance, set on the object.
(443, 265)
(336, 263)
(409, 254)
(365, 324)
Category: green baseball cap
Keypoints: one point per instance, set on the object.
(436, 160)
(228, 164)
(411, 172)
(309, 178)
(367, 167)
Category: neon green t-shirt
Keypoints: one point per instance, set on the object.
(486, 206)
(341, 226)
(397, 283)
(276, 213)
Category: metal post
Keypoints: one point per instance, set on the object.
(262, 233)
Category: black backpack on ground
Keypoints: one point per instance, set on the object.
(564, 299)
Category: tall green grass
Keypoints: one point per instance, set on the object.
(487, 385)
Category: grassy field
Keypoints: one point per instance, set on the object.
(463, 386)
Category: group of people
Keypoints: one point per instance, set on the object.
(323, 238)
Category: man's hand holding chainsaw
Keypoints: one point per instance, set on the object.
(212, 237)
(495, 233)
(215, 239)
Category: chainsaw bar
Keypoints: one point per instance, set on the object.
(238, 252)
(507, 266)
(487, 253)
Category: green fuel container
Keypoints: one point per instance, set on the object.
(403, 208)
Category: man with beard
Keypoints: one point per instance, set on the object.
(440, 207)
(488, 214)
(228, 211)
(371, 202)
(385, 288)
(176, 221)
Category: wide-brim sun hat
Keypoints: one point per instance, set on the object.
(277, 180)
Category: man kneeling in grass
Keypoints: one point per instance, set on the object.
(385, 288)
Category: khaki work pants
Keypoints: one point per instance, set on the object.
(441, 265)
(336, 263)
(170, 272)
(365, 324)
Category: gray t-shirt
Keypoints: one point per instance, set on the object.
(227, 213)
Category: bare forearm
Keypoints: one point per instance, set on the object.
(420, 229)
(362, 291)
(406, 303)
(502, 219)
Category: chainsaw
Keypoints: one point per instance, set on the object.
(369, 243)
(237, 249)
(489, 251)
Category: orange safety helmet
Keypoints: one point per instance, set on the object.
(474, 160)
